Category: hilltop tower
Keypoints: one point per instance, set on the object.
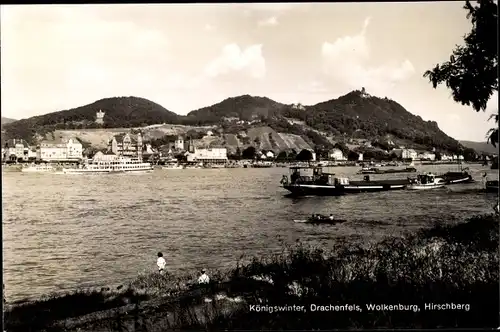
(99, 117)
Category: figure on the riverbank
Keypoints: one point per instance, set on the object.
(203, 279)
(161, 263)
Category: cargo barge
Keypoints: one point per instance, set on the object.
(306, 181)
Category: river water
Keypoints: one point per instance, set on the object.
(61, 232)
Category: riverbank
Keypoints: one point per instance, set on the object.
(455, 265)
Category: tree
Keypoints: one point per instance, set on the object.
(321, 152)
(469, 154)
(248, 153)
(342, 147)
(282, 156)
(352, 156)
(304, 155)
(472, 70)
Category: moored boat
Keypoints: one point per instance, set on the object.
(404, 170)
(41, 168)
(368, 170)
(263, 164)
(426, 181)
(305, 181)
(374, 170)
(172, 166)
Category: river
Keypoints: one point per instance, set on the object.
(61, 232)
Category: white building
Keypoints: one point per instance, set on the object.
(210, 155)
(106, 157)
(406, 153)
(60, 150)
(336, 154)
(426, 156)
(181, 144)
(16, 149)
(446, 157)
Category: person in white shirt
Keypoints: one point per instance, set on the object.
(161, 263)
(203, 279)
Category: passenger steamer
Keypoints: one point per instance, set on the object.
(112, 165)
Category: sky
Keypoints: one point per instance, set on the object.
(188, 56)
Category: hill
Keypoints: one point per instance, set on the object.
(480, 147)
(7, 120)
(246, 108)
(119, 112)
(359, 115)
(248, 120)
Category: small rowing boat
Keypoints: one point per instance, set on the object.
(321, 219)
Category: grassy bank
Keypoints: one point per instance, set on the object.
(456, 264)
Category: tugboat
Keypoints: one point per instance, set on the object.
(311, 180)
(426, 181)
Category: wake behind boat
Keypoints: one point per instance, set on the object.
(110, 164)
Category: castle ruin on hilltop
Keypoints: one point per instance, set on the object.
(99, 117)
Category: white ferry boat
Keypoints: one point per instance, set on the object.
(42, 168)
(110, 164)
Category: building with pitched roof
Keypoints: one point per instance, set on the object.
(60, 149)
(209, 155)
(126, 145)
(16, 149)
